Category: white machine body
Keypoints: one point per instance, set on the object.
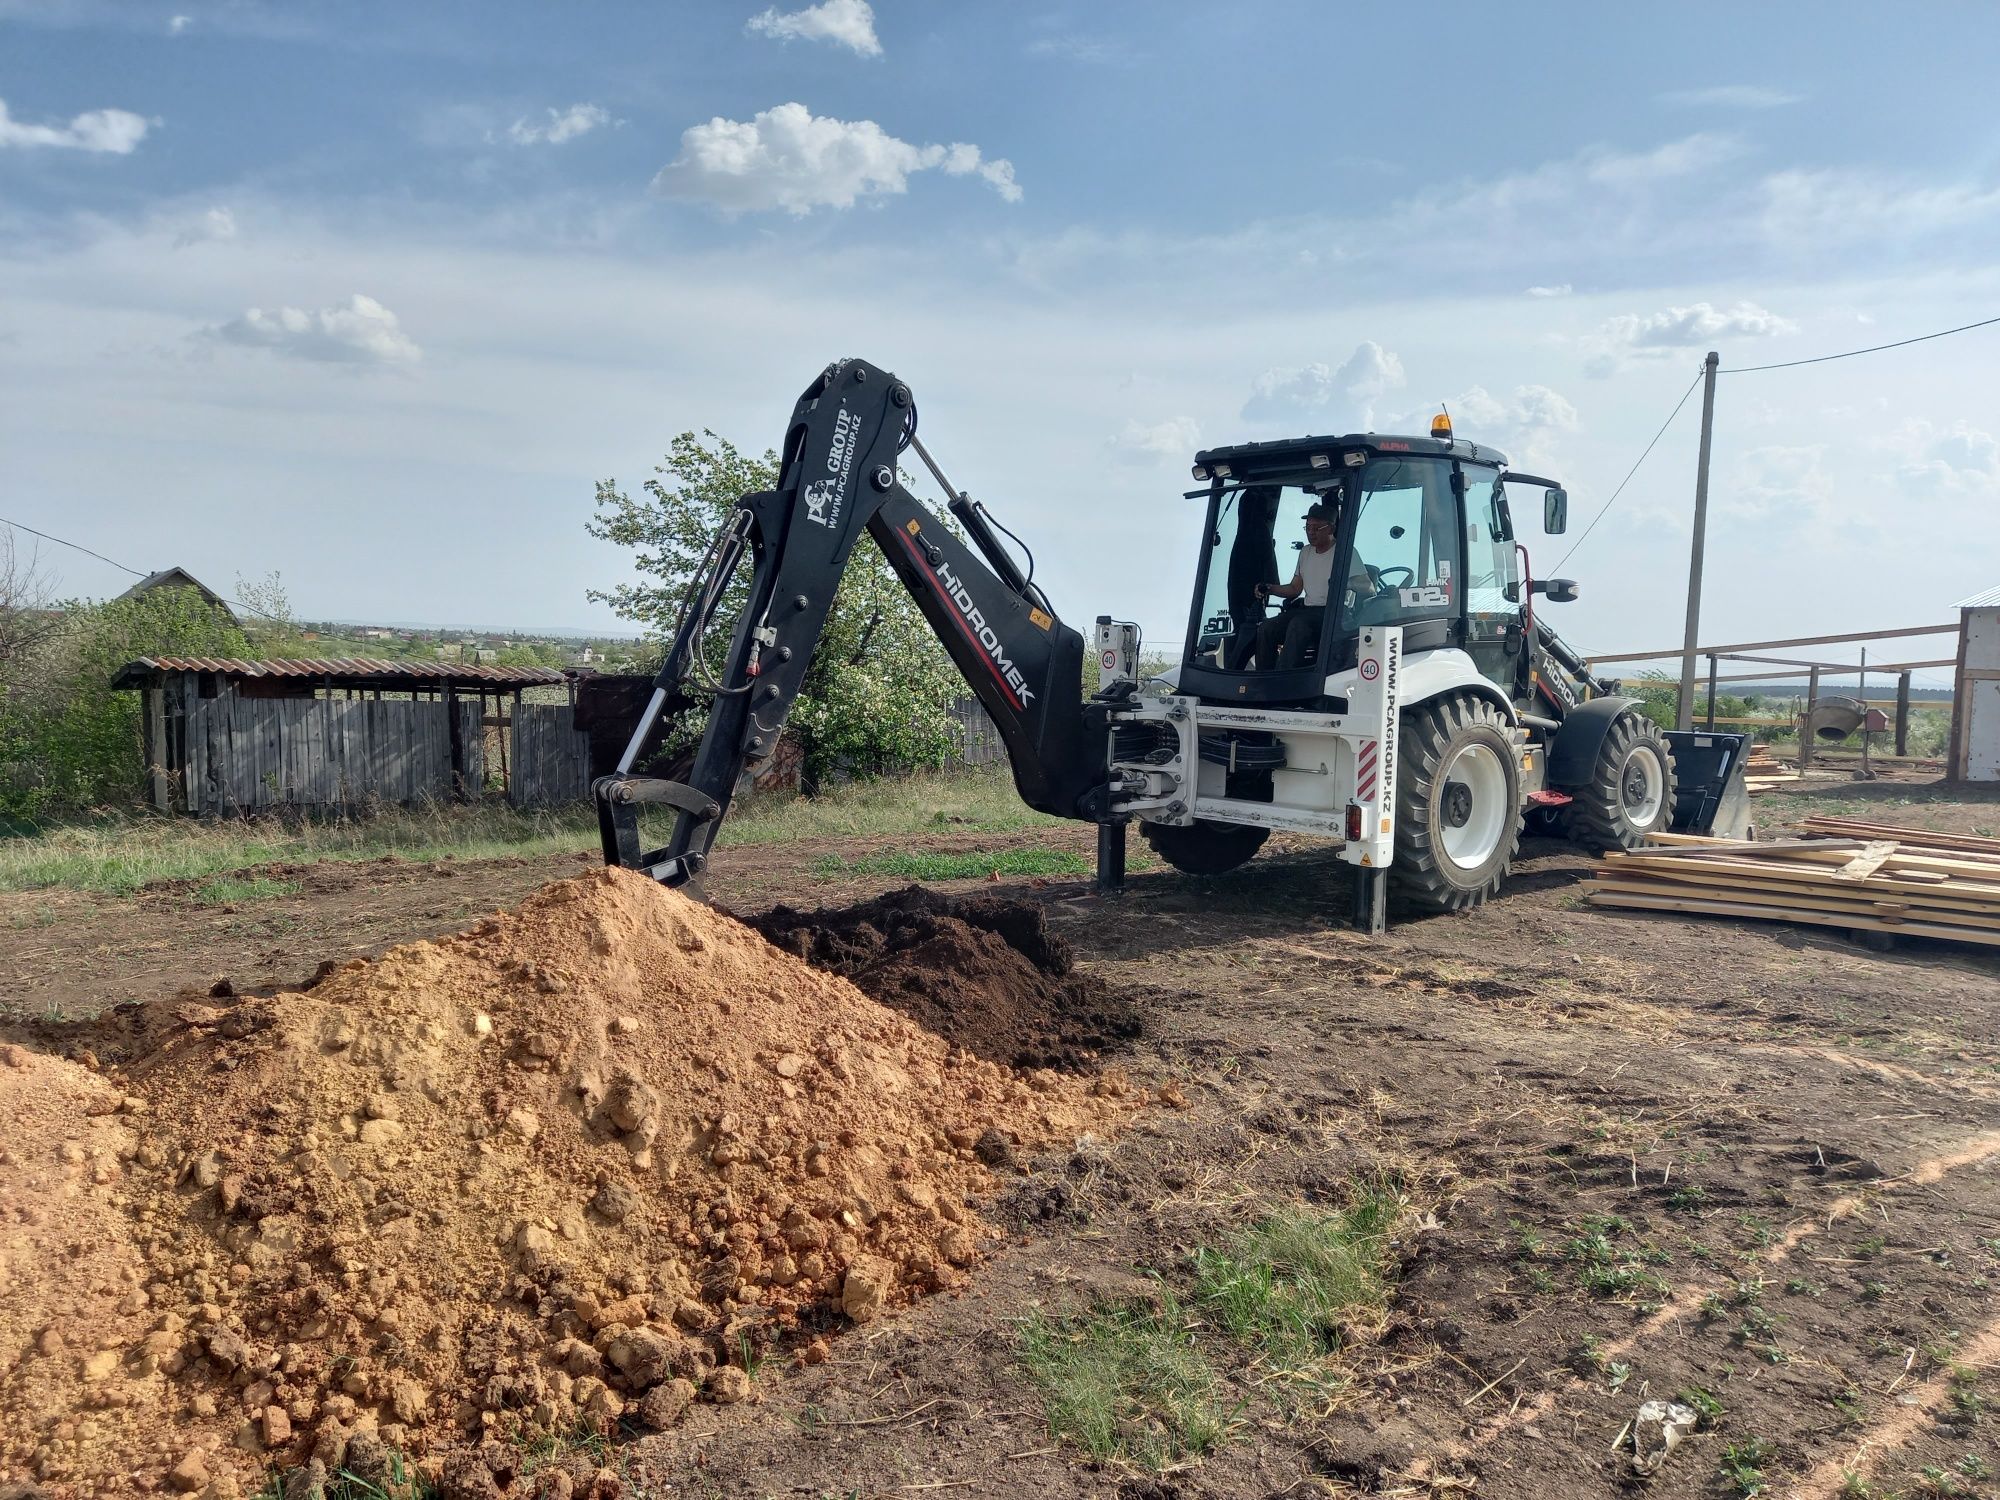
(1338, 780)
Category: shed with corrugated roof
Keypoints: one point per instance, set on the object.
(227, 737)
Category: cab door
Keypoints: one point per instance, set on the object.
(1493, 637)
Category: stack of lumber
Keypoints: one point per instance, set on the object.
(1762, 770)
(1866, 877)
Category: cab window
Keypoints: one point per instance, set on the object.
(1405, 560)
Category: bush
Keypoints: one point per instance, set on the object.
(67, 740)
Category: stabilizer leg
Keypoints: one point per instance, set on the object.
(1371, 900)
(1110, 858)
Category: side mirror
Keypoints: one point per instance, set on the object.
(1557, 590)
(1555, 511)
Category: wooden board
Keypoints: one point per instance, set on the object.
(1809, 918)
(1795, 900)
(1982, 892)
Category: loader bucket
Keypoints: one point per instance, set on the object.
(1710, 797)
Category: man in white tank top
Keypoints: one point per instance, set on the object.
(1283, 641)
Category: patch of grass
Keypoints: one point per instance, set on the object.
(1742, 1465)
(124, 853)
(227, 891)
(1125, 1382)
(1291, 1284)
(402, 1481)
(968, 864)
(1688, 1199)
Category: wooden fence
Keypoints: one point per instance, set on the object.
(248, 755)
(978, 738)
(548, 756)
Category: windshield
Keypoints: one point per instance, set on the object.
(1258, 537)
(1406, 544)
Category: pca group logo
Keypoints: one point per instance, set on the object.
(818, 495)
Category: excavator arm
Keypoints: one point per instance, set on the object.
(837, 478)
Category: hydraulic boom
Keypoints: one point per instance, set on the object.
(837, 478)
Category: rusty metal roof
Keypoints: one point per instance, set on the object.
(349, 671)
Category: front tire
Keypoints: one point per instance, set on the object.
(1458, 805)
(1202, 847)
(1630, 794)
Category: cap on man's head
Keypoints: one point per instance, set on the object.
(1318, 511)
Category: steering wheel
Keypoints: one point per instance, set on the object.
(1384, 583)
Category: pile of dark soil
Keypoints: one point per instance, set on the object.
(984, 973)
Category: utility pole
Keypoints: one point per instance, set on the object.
(1684, 715)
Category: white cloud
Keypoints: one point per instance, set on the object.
(116, 131)
(179, 24)
(1787, 480)
(1732, 96)
(1306, 390)
(1961, 460)
(846, 23)
(361, 332)
(1660, 334)
(1092, 50)
(1525, 425)
(1817, 210)
(566, 125)
(1562, 290)
(789, 158)
(218, 224)
(1175, 440)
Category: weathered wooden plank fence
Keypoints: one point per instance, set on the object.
(548, 758)
(250, 755)
(979, 741)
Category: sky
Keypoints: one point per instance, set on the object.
(371, 295)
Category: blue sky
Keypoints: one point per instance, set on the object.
(370, 295)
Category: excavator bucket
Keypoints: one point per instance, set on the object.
(1710, 796)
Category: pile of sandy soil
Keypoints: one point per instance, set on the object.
(577, 1165)
(983, 972)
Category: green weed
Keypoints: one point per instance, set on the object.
(225, 891)
(969, 864)
(1125, 1382)
(1742, 1465)
(1705, 1405)
(1290, 1285)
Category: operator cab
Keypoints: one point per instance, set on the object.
(1421, 537)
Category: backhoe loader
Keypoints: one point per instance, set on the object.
(1414, 714)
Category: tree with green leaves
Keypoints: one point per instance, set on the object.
(879, 693)
(67, 740)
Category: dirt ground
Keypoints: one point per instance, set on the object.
(1650, 1156)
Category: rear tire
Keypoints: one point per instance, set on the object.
(1204, 848)
(1630, 793)
(1458, 805)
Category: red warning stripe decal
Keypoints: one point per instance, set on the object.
(1364, 770)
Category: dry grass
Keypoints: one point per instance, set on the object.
(126, 852)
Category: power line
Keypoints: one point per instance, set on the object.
(88, 552)
(78, 546)
(1792, 364)
(1630, 472)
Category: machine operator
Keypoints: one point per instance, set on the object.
(1288, 638)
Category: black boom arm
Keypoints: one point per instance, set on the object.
(837, 478)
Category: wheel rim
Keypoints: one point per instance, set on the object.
(1473, 806)
(1643, 788)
